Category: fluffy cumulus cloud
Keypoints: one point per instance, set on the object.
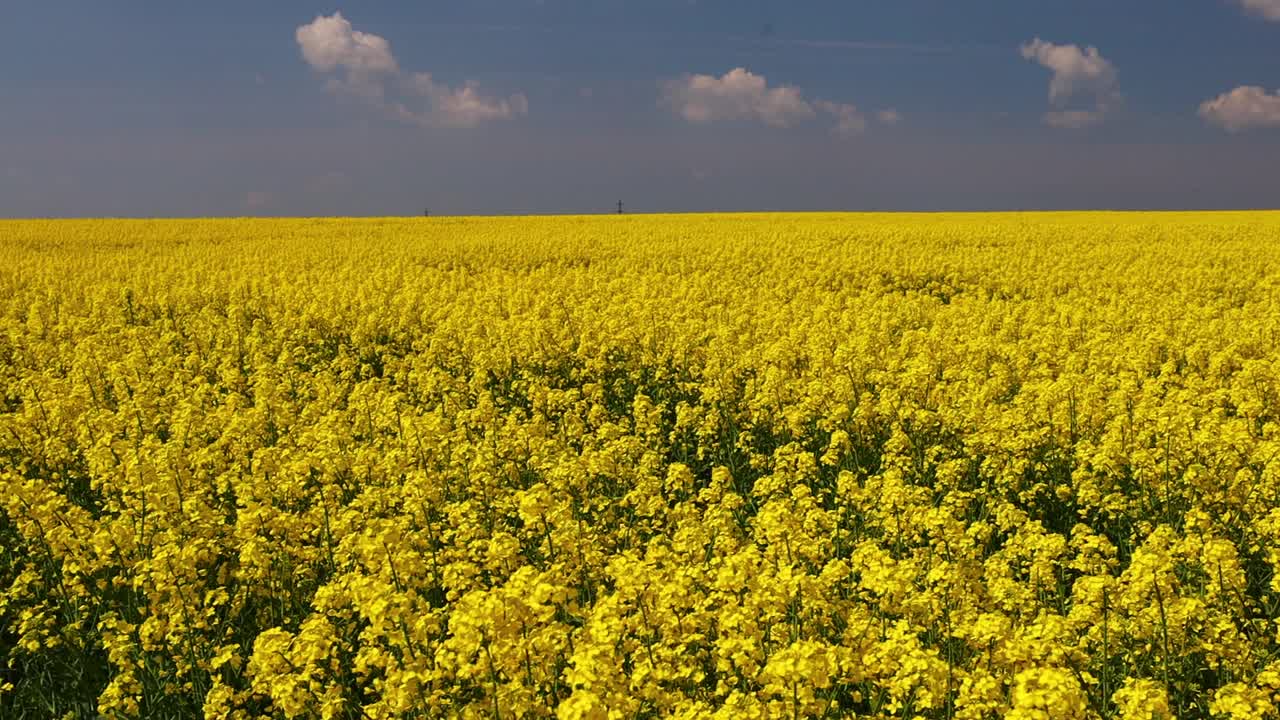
(361, 65)
(741, 95)
(456, 107)
(330, 43)
(737, 95)
(1076, 74)
(1244, 108)
(1269, 9)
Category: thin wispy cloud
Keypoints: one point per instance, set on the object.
(362, 66)
(1076, 72)
(849, 119)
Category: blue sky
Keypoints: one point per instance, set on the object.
(515, 106)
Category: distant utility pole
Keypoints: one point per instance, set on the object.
(426, 212)
(619, 207)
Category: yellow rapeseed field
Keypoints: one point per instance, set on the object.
(731, 466)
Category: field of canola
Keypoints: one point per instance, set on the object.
(737, 466)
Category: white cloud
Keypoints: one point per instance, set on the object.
(460, 107)
(466, 107)
(1246, 107)
(330, 43)
(1075, 72)
(1269, 9)
(361, 65)
(737, 95)
(849, 120)
(744, 96)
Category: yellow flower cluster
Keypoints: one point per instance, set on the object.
(594, 468)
